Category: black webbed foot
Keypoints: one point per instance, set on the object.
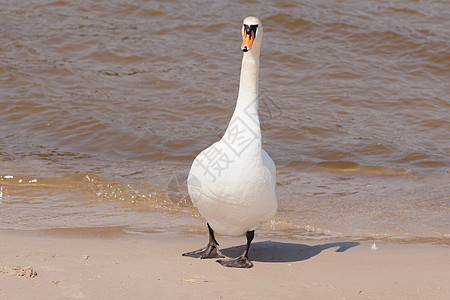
(238, 262)
(210, 251)
(241, 261)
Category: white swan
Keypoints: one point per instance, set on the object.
(232, 182)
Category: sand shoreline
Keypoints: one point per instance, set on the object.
(151, 266)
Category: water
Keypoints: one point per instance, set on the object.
(104, 105)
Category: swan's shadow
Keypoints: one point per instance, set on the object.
(269, 251)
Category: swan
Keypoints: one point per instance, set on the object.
(232, 182)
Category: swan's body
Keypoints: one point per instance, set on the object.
(232, 182)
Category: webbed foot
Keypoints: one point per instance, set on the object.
(210, 251)
(238, 262)
(241, 261)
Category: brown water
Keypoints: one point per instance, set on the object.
(104, 103)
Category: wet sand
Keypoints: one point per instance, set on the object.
(141, 267)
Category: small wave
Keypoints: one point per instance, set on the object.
(344, 167)
(348, 166)
(139, 195)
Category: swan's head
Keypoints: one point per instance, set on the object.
(252, 32)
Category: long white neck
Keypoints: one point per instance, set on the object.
(248, 85)
(244, 124)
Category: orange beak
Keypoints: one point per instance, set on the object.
(248, 41)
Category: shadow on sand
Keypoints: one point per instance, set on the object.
(269, 251)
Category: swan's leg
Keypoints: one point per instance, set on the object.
(210, 251)
(241, 261)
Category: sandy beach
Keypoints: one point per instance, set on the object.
(83, 265)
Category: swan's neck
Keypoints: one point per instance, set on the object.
(245, 119)
(248, 85)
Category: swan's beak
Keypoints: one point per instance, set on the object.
(247, 43)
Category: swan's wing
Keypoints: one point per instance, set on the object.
(268, 162)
